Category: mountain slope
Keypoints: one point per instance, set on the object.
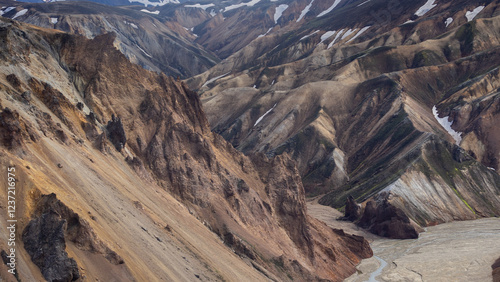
(121, 166)
(368, 116)
(143, 37)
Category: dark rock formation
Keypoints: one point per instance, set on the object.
(10, 128)
(26, 96)
(382, 218)
(116, 133)
(44, 241)
(14, 81)
(352, 209)
(496, 271)
(77, 230)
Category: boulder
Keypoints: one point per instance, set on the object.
(384, 219)
(44, 241)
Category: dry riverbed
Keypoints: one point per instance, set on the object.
(456, 251)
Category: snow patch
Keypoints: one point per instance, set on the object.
(145, 53)
(470, 15)
(154, 4)
(309, 35)
(131, 24)
(359, 33)
(255, 86)
(236, 6)
(262, 35)
(214, 79)
(6, 10)
(20, 13)
(446, 124)
(329, 9)
(204, 7)
(335, 39)
(327, 35)
(364, 3)
(426, 8)
(448, 21)
(347, 33)
(260, 119)
(150, 12)
(408, 21)
(305, 11)
(272, 82)
(490, 168)
(279, 12)
(213, 13)
(53, 20)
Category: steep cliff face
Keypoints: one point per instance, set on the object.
(138, 173)
(363, 111)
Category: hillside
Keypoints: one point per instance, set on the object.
(399, 114)
(119, 177)
(145, 38)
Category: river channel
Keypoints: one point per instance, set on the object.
(455, 251)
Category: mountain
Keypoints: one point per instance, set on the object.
(146, 3)
(119, 177)
(142, 36)
(394, 104)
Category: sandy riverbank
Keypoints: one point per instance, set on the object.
(456, 251)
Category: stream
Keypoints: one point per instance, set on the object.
(377, 272)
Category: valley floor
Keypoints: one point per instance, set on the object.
(456, 251)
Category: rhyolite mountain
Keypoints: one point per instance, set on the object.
(145, 38)
(369, 97)
(144, 3)
(394, 104)
(119, 177)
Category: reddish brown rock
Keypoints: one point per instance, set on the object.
(380, 217)
(496, 271)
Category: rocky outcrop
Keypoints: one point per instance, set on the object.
(10, 128)
(116, 134)
(496, 271)
(381, 217)
(46, 235)
(44, 241)
(75, 229)
(352, 209)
